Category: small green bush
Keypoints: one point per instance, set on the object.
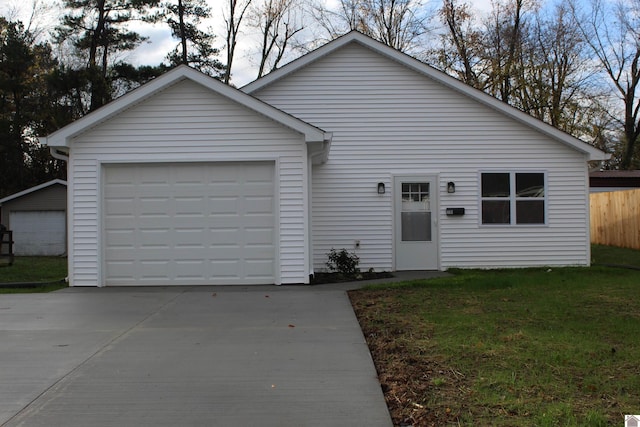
(343, 262)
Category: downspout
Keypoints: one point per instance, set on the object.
(310, 217)
(316, 157)
(63, 156)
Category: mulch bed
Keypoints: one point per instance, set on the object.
(320, 278)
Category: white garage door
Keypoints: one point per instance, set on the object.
(189, 224)
(38, 232)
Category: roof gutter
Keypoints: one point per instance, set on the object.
(56, 152)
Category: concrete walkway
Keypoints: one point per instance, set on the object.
(205, 356)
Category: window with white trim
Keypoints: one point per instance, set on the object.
(515, 198)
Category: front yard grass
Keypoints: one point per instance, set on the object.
(537, 347)
(47, 272)
(610, 255)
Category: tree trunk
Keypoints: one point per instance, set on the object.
(183, 32)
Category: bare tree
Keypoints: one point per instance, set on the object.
(233, 20)
(36, 15)
(503, 40)
(486, 56)
(533, 58)
(400, 24)
(460, 52)
(278, 21)
(613, 34)
(555, 79)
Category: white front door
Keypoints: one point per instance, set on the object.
(416, 221)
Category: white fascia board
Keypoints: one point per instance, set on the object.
(62, 137)
(33, 189)
(319, 151)
(591, 152)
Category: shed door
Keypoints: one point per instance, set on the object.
(38, 232)
(416, 243)
(189, 224)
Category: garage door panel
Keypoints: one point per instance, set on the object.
(223, 205)
(256, 268)
(121, 203)
(189, 270)
(154, 238)
(151, 205)
(259, 236)
(257, 256)
(121, 270)
(120, 239)
(189, 176)
(259, 221)
(258, 205)
(190, 238)
(154, 269)
(190, 206)
(223, 237)
(147, 175)
(225, 269)
(259, 174)
(199, 223)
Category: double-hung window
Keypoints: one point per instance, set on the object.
(513, 198)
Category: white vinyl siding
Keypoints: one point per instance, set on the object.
(389, 120)
(187, 123)
(41, 233)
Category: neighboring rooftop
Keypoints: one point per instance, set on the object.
(620, 179)
(32, 190)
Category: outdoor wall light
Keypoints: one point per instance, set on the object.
(451, 187)
(381, 188)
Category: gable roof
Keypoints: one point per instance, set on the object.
(33, 190)
(591, 152)
(62, 137)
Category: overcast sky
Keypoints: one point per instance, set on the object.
(160, 41)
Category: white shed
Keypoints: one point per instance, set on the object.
(37, 217)
(355, 145)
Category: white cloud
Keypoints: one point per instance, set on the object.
(154, 50)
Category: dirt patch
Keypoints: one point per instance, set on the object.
(419, 391)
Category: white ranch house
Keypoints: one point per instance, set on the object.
(187, 181)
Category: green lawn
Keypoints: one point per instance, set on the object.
(50, 271)
(609, 255)
(538, 347)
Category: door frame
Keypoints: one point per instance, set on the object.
(434, 179)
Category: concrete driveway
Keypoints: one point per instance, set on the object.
(212, 356)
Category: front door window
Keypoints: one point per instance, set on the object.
(416, 212)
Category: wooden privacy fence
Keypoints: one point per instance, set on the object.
(615, 218)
